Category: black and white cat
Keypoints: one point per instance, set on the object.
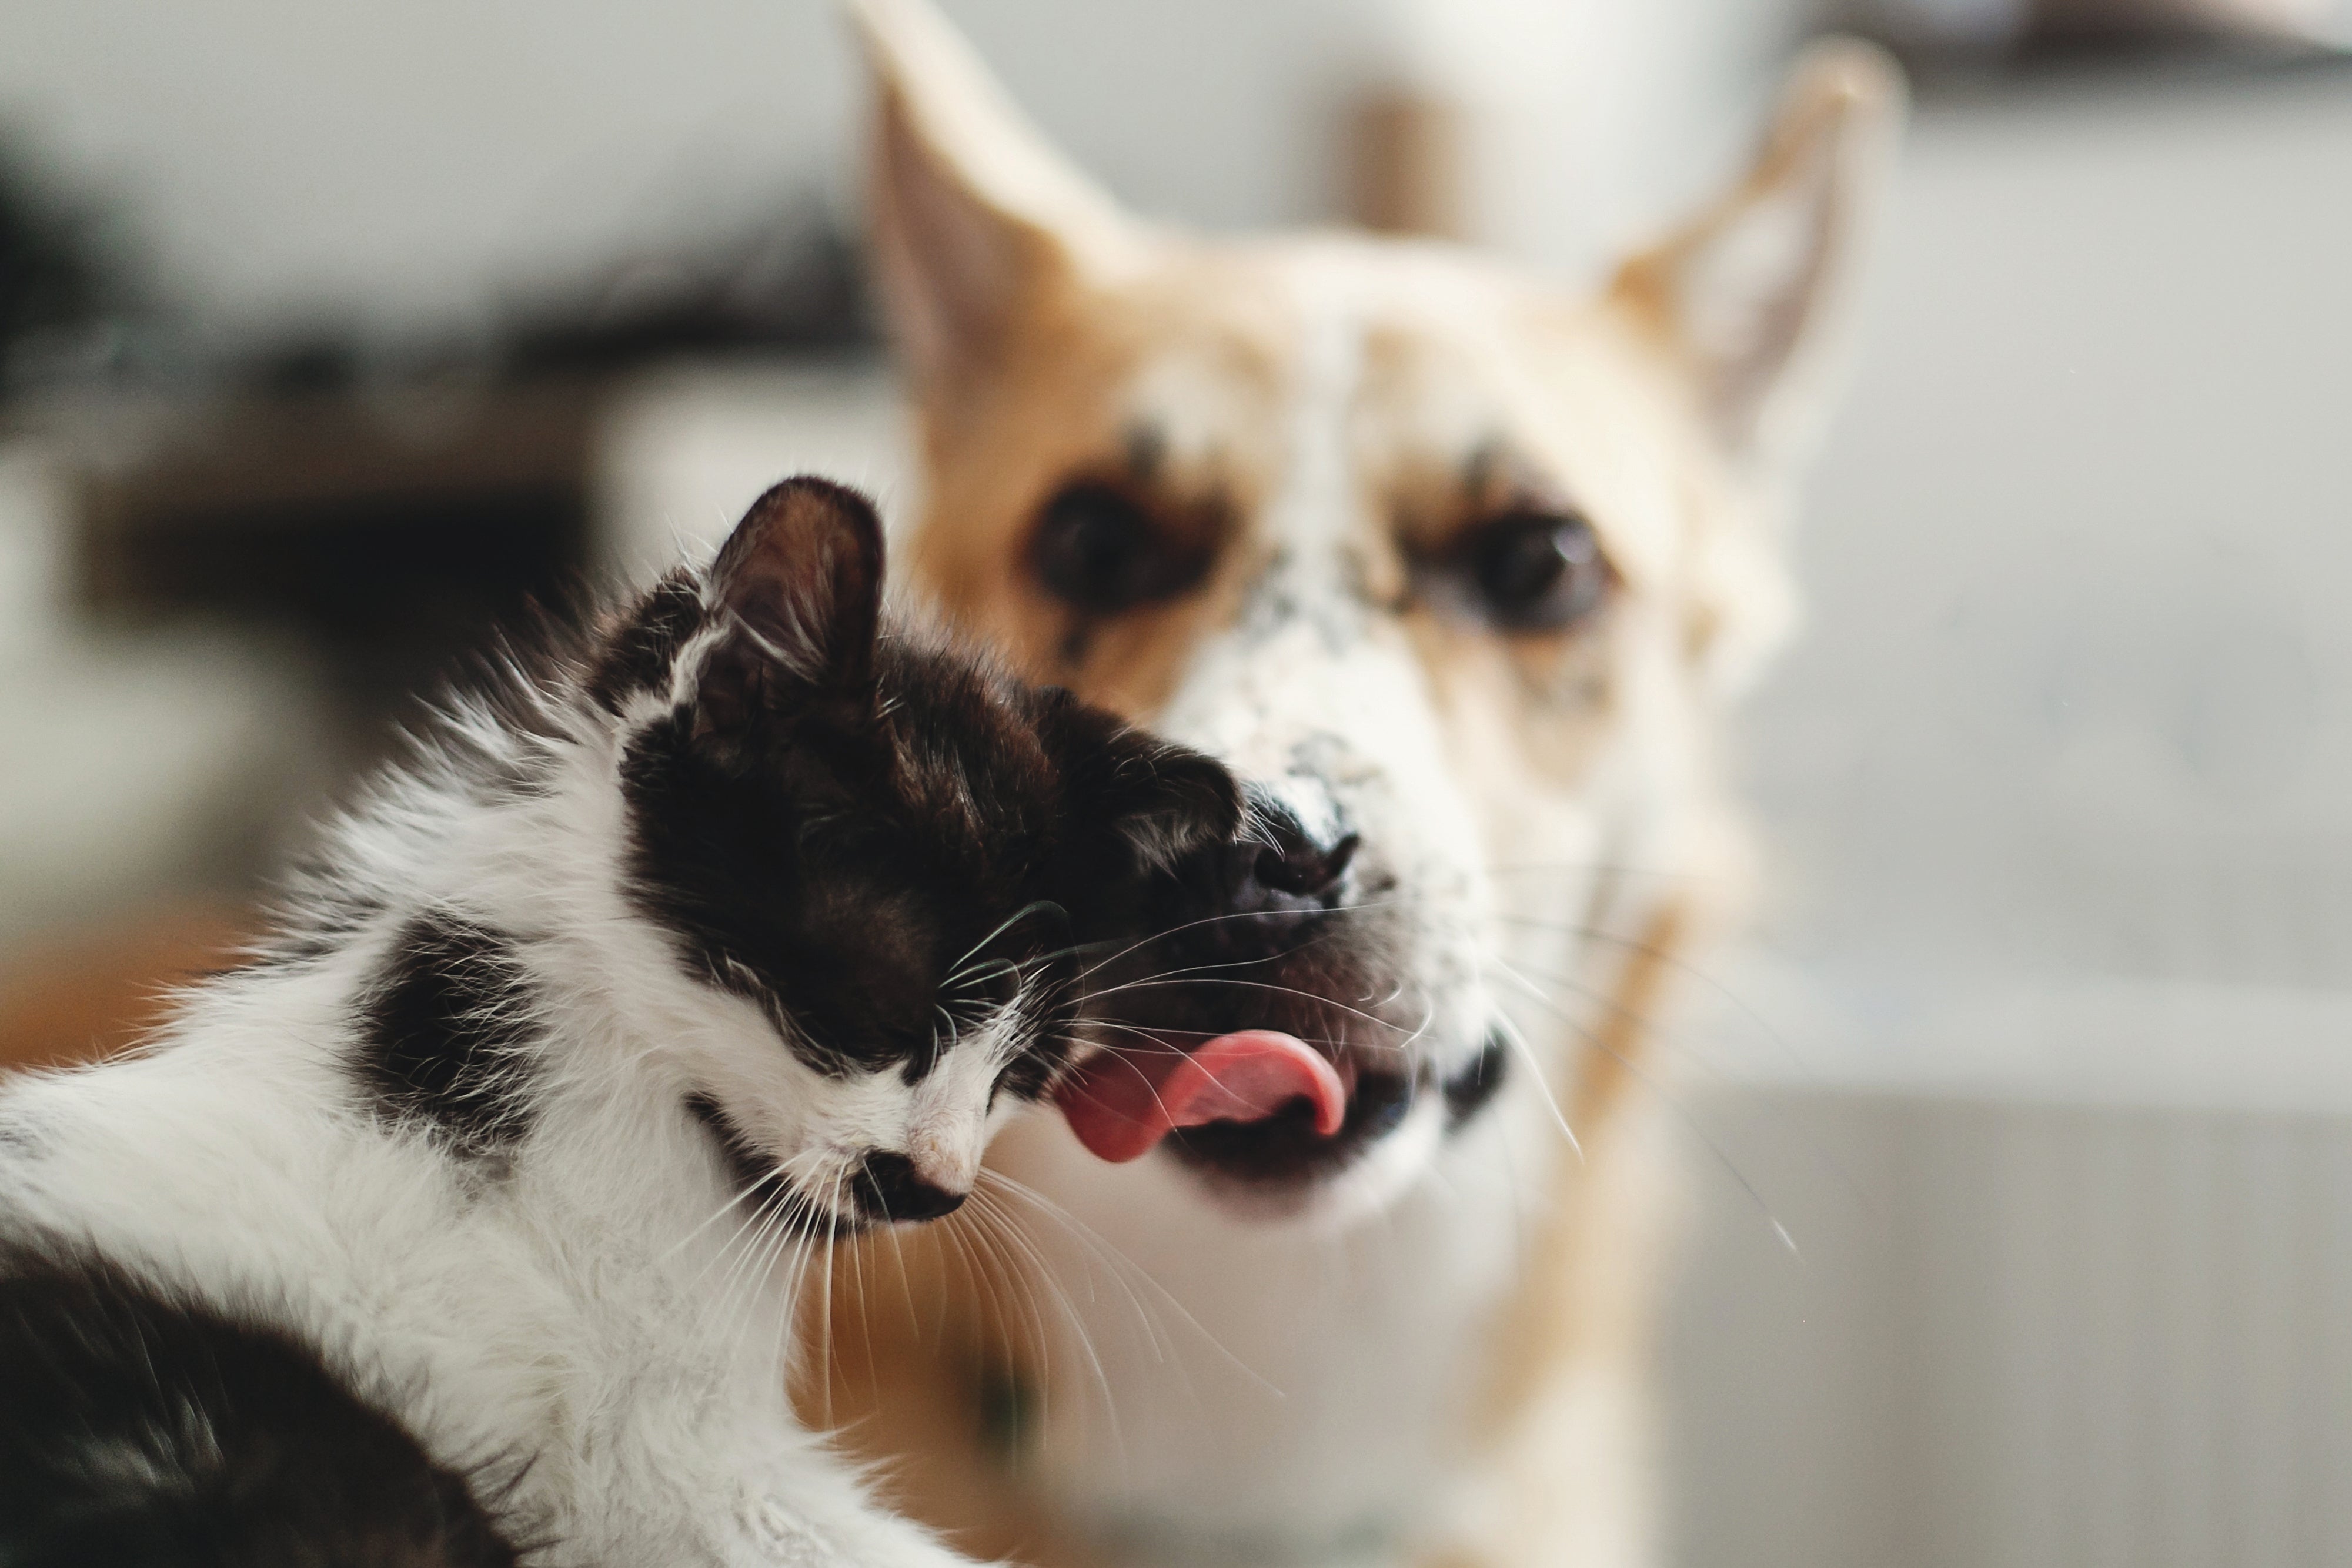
(454, 1224)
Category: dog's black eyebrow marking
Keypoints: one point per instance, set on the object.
(1498, 477)
(1146, 448)
(1478, 468)
(143, 1428)
(1472, 1089)
(446, 1033)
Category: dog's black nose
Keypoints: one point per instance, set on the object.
(1302, 868)
(888, 1189)
(1282, 868)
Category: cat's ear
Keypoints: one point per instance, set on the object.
(1162, 801)
(797, 593)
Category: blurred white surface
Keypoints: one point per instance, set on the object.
(2013, 1336)
(2073, 708)
(683, 452)
(2044, 1057)
(417, 166)
(423, 166)
(139, 762)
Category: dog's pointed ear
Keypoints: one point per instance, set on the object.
(975, 217)
(797, 593)
(1750, 296)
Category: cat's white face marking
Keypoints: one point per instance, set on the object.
(820, 1132)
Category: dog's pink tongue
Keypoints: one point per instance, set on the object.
(1121, 1103)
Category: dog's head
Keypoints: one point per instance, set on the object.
(1453, 569)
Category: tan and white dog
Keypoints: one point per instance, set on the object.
(1460, 573)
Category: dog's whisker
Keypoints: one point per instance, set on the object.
(1683, 966)
(1156, 1042)
(1682, 1112)
(1172, 931)
(1260, 985)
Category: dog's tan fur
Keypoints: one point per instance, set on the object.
(1044, 328)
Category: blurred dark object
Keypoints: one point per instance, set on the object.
(48, 274)
(795, 284)
(1932, 33)
(393, 532)
(58, 286)
(792, 283)
(71, 322)
(392, 501)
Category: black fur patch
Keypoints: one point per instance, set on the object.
(755, 1175)
(847, 873)
(147, 1433)
(446, 1033)
(1474, 1088)
(1031, 1074)
(716, 859)
(887, 1190)
(636, 658)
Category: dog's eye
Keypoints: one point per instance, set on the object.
(1536, 571)
(1098, 550)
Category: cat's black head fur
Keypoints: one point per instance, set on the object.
(876, 838)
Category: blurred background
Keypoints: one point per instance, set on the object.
(330, 331)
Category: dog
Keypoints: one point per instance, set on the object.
(1461, 573)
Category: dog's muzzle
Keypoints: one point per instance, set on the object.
(1270, 947)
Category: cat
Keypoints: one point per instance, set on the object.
(447, 1230)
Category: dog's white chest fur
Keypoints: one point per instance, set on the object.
(1274, 1391)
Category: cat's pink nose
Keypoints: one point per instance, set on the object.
(890, 1189)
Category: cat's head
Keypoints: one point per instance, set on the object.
(899, 857)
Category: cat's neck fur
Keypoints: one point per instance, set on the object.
(578, 1237)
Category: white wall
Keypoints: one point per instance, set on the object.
(2056, 791)
(416, 162)
(2075, 698)
(408, 162)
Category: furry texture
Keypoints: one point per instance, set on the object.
(1454, 566)
(471, 1216)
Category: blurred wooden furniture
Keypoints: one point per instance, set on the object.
(80, 997)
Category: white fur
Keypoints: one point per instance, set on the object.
(598, 1303)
